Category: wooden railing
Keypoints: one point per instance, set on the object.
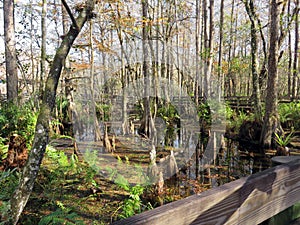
(239, 102)
(245, 103)
(249, 200)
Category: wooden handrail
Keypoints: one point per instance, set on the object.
(250, 200)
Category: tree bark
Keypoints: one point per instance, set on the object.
(97, 132)
(147, 125)
(197, 45)
(295, 62)
(205, 50)
(289, 91)
(125, 122)
(32, 56)
(10, 51)
(228, 85)
(43, 47)
(271, 121)
(210, 47)
(254, 62)
(23, 191)
(220, 57)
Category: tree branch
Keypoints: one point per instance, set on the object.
(285, 31)
(70, 14)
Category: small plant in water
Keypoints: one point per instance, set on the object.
(283, 140)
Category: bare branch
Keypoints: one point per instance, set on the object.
(70, 14)
(284, 32)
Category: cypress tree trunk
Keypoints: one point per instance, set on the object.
(254, 62)
(43, 47)
(147, 125)
(271, 121)
(220, 56)
(296, 52)
(23, 191)
(10, 51)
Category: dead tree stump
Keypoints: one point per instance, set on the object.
(106, 142)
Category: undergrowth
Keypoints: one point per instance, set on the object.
(19, 120)
(289, 114)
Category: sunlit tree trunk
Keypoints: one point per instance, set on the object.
(66, 81)
(41, 138)
(263, 69)
(43, 47)
(154, 71)
(234, 51)
(163, 69)
(254, 61)
(157, 50)
(284, 31)
(97, 133)
(205, 50)
(147, 128)
(211, 44)
(147, 124)
(228, 86)
(271, 121)
(289, 91)
(296, 52)
(177, 48)
(125, 122)
(197, 53)
(220, 57)
(10, 51)
(32, 56)
(207, 53)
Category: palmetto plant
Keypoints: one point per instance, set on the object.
(283, 140)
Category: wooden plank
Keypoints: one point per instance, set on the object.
(249, 200)
(277, 160)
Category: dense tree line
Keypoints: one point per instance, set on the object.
(246, 47)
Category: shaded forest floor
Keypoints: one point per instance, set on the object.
(74, 193)
(84, 196)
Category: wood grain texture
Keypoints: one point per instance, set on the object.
(249, 200)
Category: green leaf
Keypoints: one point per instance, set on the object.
(122, 182)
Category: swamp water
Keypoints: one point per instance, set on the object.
(190, 162)
(184, 155)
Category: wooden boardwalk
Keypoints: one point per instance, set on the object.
(249, 200)
(245, 103)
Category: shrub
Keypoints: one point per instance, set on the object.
(133, 204)
(236, 119)
(17, 120)
(103, 111)
(289, 114)
(8, 182)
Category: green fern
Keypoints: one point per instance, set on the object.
(290, 114)
(61, 216)
(8, 182)
(3, 148)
